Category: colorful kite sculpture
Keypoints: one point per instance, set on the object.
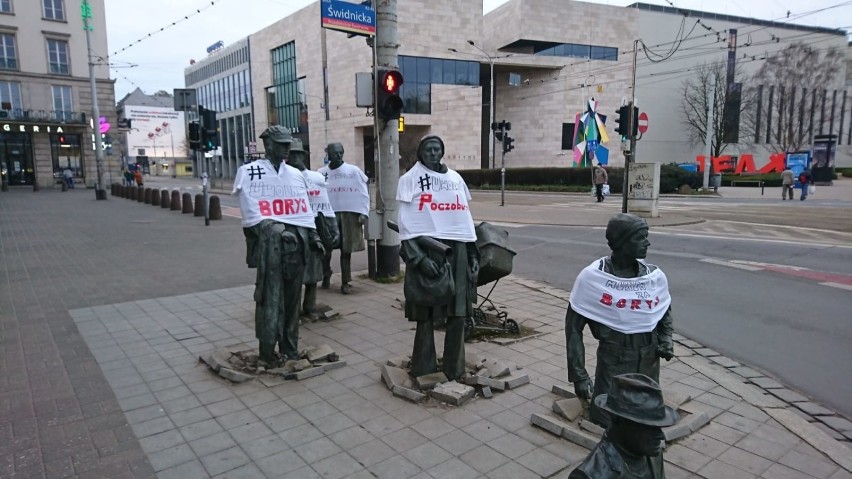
(589, 136)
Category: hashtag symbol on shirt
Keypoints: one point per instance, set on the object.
(255, 170)
(425, 183)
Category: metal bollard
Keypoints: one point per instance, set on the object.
(164, 198)
(155, 197)
(140, 194)
(148, 196)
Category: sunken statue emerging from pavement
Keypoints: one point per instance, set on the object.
(632, 446)
(326, 224)
(347, 191)
(280, 233)
(626, 303)
(441, 258)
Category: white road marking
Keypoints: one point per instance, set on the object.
(837, 285)
(729, 264)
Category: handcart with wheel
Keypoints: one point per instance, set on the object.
(495, 262)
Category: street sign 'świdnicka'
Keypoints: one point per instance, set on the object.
(348, 17)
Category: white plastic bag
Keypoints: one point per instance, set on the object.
(811, 189)
(606, 189)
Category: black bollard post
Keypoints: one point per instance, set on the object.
(199, 205)
(175, 200)
(164, 198)
(155, 197)
(187, 203)
(140, 194)
(215, 208)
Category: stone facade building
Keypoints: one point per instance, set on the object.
(46, 119)
(549, 58)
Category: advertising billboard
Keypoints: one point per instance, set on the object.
(156, 133)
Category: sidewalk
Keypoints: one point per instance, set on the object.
(107, 305)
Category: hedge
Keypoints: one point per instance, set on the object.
(672, 177)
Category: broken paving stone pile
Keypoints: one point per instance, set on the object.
(239, 364)
(484, 378)
(570, 419)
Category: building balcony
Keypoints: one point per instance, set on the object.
(44, 116)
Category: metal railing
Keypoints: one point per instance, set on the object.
(44, 116)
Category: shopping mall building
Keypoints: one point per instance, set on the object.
(549, 58)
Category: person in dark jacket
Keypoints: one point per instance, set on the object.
(805, 179)
(626, 303)
(632, 446)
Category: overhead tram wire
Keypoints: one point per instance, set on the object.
(172, 24)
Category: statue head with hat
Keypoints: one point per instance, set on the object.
(297, 155)
(639, 414)
(627, 237)
(276, 143)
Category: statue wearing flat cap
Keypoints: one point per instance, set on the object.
(280, 232)
(632, 446)
(626, 303)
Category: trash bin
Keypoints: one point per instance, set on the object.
(715, 181)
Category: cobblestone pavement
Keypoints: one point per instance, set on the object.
(106, 306)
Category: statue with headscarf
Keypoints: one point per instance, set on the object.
(626, 304)
(441, 259)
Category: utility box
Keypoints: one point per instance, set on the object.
(643, 189)
(364, 90)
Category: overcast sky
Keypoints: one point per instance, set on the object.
(157, 62)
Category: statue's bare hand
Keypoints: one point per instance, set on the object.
(429, 268)
(583, 389)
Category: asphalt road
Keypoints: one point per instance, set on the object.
(773, 319)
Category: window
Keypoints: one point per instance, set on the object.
(5, 6)
(567, 136)
(57, 57)
(421, 73)
(604, 53)
(10, 96)
(8, 56)
(576, 50)
(53, 10)
(62, 106)
(286, 103)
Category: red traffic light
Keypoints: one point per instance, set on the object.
(391, 81)
(62, 140)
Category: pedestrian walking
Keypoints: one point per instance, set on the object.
(128, 177)
(138, 177)
(601, 179)
(806, 180)
(787, 183)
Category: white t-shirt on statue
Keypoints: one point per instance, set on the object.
(434, 204)
(318, 193)
(347, 188)
(275, 195)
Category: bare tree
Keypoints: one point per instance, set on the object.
(694, 107)
(796, 79)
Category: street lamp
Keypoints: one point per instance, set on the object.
(492, 107)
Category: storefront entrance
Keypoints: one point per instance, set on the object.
(16, 158)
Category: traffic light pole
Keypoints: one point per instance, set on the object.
(630, 157)
(100, 189)
(386, 45)
(503, 178)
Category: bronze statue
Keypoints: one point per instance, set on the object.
(433, 208)
(632, 446)
(326, 224)
(626, 303)
(280, 232)
(347, 190)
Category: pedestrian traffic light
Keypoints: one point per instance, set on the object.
(388, 101)
(508, 143)
(622, 120)
(194, 135)
(209, 129)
